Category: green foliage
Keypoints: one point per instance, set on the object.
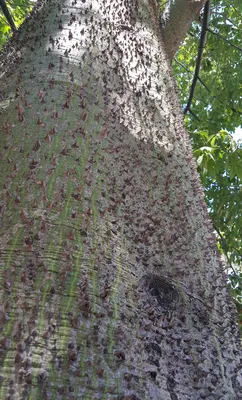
(216, 111)
(19, 9)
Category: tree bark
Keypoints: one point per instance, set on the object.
(111, 283)
(176, 19)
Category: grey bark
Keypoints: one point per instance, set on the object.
(111, 284)
(176, 19)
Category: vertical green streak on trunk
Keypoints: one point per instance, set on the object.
(76, 274)
(82, 339)
(68, 300)
(53, 266)
(14, 212)
(3, 389)
(36, 394)
(45, 290)
(13, 247)
(52, 183)
(115, 290)
(9, 325)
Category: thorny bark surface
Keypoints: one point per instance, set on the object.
(176, 19)
(111, 285)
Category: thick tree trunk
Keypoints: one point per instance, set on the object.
(111, 284)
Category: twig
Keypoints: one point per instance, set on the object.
(223, 38)
(201, 45)
(7, 15)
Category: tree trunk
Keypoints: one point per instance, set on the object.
(111, 283)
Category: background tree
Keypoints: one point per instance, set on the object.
(111, 283)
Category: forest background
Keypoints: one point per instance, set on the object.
(208, 72)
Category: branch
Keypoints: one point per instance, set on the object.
(7, 15)
(176, 20)
(195, 116)
(201, 46)
(207, 89)
(224, 39)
